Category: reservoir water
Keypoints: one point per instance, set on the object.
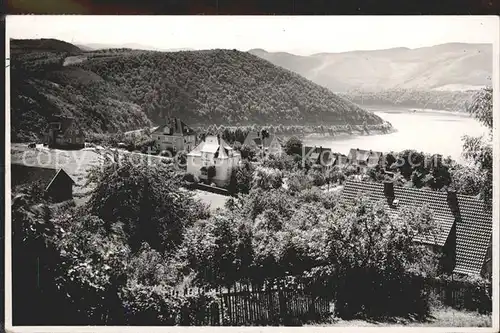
(429, 131)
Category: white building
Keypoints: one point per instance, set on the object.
(213, 154)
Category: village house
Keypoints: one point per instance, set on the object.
(63, 133)
(175, 136)
(268, 144)
(465, 224)
(57, 185)
(324, 157)
(212, 161)
(364, 159)
(319, 156)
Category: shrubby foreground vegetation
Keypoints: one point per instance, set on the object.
(125, 256)
(117, 259)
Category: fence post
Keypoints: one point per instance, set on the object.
(282, 302)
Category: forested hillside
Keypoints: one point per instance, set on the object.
(433, 99)
(41, 85)
(121, 89)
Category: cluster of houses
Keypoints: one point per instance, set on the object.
(212, 158)
(464, 239)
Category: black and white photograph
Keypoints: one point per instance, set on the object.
(259, 171)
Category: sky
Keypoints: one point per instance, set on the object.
(302, 35)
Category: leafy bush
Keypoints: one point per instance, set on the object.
(211, 172)
(377, 263)
(317, 177)
(267, 178)
(281, 162)
(298, 181)
(248, 152)
(293, 146)
(240, 180)
(189, 177)
(146, 200)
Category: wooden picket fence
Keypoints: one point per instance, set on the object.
(276, 306)
(461, 295)
(269, 307)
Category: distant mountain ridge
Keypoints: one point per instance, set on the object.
(452, 66)
(124, 89)
(134, 46)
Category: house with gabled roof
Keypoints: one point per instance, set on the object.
(319, 155)
(64, 133)
(174, 135)
(364, 159)
(270, 144)
(56, 184)
(465, 223)
(213, 154)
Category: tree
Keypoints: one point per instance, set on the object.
(481, 107)
(35, 262)
(264, 134)
(467, 180)
(293, 146)
(298, 181)
(282, 162)
(480, 149)
(241, 177)
(317, 177)
(376, 260)
(94, 260)
(219, 250)
(248, 152)
(146, 200)
(211, 171)
(267, 178)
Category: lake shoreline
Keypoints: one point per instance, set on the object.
(428, 131)
(343, 135)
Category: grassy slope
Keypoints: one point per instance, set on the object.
(119, 90)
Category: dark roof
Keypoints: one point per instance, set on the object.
(473, 222)
(256, 138)
(474, 232)
(320, 154)
(66, 123)
(175, 125)
(257, 141)
(362, 155)
(23, 174)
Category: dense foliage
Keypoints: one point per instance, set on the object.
(42, 85)
(269, 235)
(415, 169)
(145, 198)
(115, 90)
(411, 98)
(110, 260)
(479, 150)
